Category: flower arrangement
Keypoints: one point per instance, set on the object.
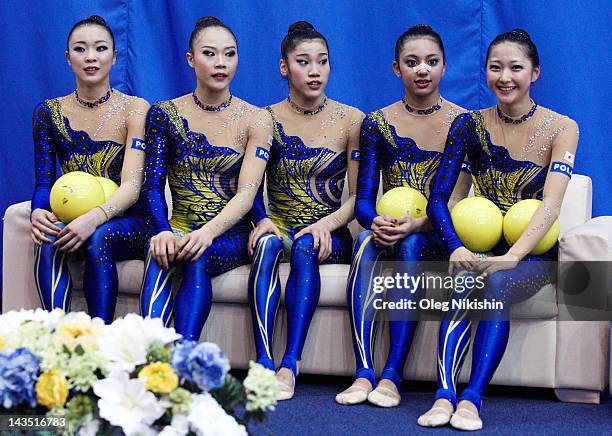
(133, 375)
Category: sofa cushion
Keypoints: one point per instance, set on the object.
(231, 287)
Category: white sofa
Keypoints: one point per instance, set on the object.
(569, 356)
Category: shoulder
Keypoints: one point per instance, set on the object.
(559, 121)
(455, 108)
(137, 104)
(347, 111)
(47, 107)
(253, 115)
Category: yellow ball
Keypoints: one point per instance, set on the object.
(75, 194)
(516, 220)
(109, 187)
(478, 223)
(397, 201)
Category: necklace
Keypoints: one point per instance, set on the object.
(314, 111)
(211, 107)
(93, 104)
(506, 119)
(430, 110)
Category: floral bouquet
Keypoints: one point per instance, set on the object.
(134, 375)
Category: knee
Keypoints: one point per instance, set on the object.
(496, 284)
(412, 246)
(303, 247)
(363, 239)
(269, 243)
(99, 242)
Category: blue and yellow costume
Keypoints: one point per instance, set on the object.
(120, 238)
(203, 178)
(504, 180)
(403, 163)
(304, 185)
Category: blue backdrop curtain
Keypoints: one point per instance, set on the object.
(152, 37)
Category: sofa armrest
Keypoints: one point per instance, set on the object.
(18, 287)
(585, 255)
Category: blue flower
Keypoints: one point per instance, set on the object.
(203, 364)
(19, 371)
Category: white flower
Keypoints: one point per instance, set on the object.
(261, 386)
(207, 418)
(10, 322)
(178, 427)
(125, 342)
(89, 427)
(155, 331)
(126, 403)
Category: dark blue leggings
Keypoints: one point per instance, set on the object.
(119, 239)
(301, 294)
(194, 297)
(360, 296)
(509, 287)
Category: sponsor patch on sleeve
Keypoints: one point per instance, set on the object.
(466, 166)
(561, 167)
(355, 155)
(262, 153)
(139, 144)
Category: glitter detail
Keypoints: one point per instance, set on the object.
(93, 104)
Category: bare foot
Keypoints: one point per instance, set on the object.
(356, 393)
(466, 417)
(286, 384)
(439, 414)
(385, 394)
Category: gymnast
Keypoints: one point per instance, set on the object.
(517, 150)
(405, 141)
(98, 130)
(212, 147)
(315, 144)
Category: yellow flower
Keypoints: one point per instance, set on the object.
(51, 389)
(78, 328)
(159, 377)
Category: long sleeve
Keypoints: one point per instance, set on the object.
(258, 211)
(156, 169)
(460, 135)
(44, 158)
(368, 179)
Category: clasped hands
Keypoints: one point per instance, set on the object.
(462, 258)
(388, 230)
(165, 248)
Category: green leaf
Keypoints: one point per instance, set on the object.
(230, 395)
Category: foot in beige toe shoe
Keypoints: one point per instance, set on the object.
(286, 384)
(466, 417)
(439, 414)
(385, 394)
(356, 393)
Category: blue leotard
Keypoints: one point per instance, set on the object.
(503, 180)
(402, 163)
(203, 178)
(120, 238)
(304, 184)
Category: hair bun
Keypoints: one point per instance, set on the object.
(300, 26)
(97, 19)
(208, 20)
(521, 34)
(425, 27)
